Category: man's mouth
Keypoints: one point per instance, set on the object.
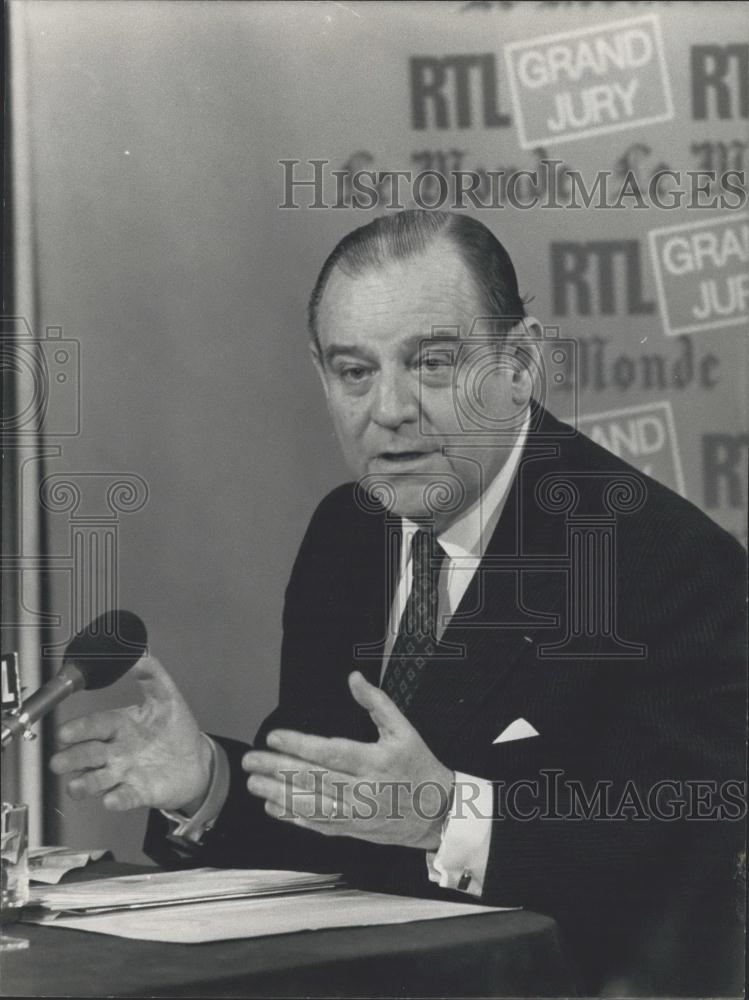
(402, 457)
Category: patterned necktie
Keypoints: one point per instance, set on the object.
(416, 641)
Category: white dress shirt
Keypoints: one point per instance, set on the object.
(460, 862)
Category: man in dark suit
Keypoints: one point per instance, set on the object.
(511, 665)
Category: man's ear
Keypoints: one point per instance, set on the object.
(317, 361)
(523, 343)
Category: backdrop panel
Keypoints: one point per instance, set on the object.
(156, 133)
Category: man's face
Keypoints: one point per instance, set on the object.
(393, 386)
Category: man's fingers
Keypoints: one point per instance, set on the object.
(325, 826)
(80, 757)
(121, 798)
(282, 767)
(293, 800)
(346, 756)
(291, 772)
(154, 680)
(97, 726)
(92, 783)
(383, 712)
(266, 762)
(156, 683)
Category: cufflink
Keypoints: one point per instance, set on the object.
(188, 839)
(183, 844)
(465, 880)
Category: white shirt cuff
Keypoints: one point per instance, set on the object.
(192, 829)
(460, 863)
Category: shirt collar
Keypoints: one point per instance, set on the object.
(469, 534)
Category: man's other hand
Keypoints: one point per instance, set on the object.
(394, 791)
(152, 754)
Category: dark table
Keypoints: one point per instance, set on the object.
(492, 954)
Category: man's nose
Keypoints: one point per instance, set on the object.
(395, 402)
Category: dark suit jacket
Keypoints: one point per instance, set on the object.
(656, 692)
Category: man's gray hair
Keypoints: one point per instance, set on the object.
(409, 233)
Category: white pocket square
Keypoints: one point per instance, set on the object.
(520, 729)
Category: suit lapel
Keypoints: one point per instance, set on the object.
(505, 612)
(370, 600)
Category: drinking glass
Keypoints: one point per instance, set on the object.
(14, 871)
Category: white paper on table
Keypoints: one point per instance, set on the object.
(159, 888)
(228, 919)
(49, 864)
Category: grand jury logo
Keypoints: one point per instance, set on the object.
(701, 274)
(589, 82)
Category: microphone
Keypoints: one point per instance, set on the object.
(94, 658)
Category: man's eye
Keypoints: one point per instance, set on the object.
(435, 362)
(353, 374)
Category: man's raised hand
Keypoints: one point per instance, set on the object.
(394, 791)
(151, 754)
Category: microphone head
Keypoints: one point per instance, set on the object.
(106, 648)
